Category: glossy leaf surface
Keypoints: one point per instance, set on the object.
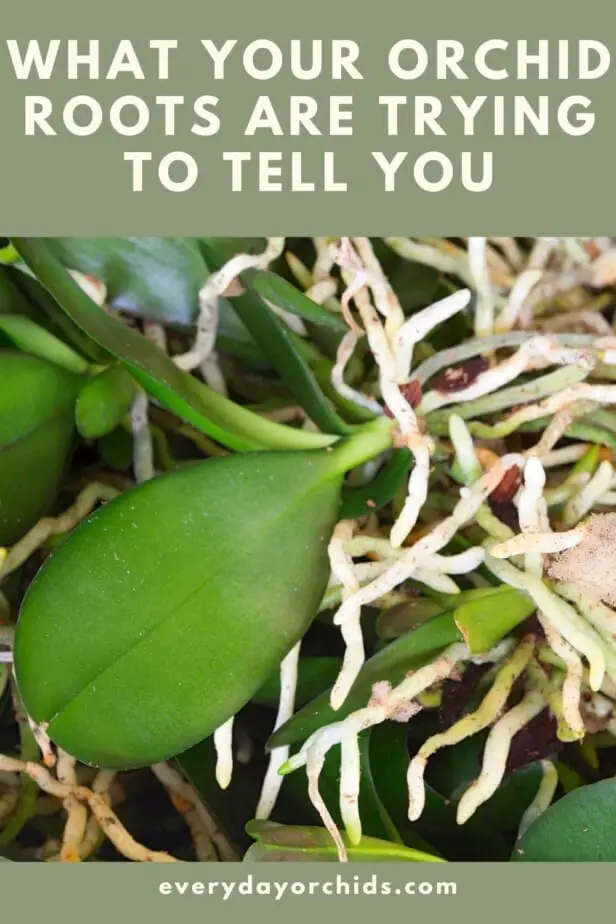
(166, 611)
(579, 827)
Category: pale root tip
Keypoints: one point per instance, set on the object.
(414, 813)
(398, 534)
(467, 806)
(223, 780)
(596, 676)
(338, 696)
(464, 813)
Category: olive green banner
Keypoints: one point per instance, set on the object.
(301, 894)
(142, 117)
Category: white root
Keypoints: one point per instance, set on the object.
(598, 614)
(350, 774)
(533, 516)
(541, 543)
(76, 811)
(564, 456)
(223, 743)
(385, 703)
(419, 554)
(420, 324)
(315, 760)
(214, 288)
(356, 278)
(417, 490)
(478, 265)
(496, 754)
(489, 710)
(143, 449)
(536, 353)
(354, 656)
(344, 353)
(464, 447)
(273, 780)
(583, 502)
(514, 306)
(563, 617)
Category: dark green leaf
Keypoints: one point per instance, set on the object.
(389, 758)
(285, 295)
(321, 368)
(579, 827)
(403, 617)
(361, 500)
(12, 300)
(116, 449)
(152, 624)
(155, 277)
(487, 835)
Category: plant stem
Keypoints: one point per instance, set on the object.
(370, 441)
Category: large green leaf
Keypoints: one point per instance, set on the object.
(163, 614)
(232, 425)
(36, 432)
(282, 843)
(579, 827)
